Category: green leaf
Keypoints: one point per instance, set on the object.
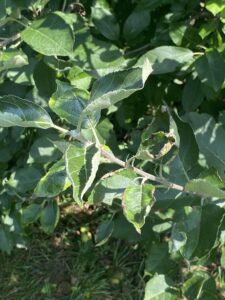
(222, 258)
(103, 232)
(78, 78)
(114, 87)
(207, 28)
(200, 285)
(49, 216)
(44, 78)
(196, 230)
(204, 188)
(192, 95)
(11, 59)
(43, 149)
(69, 102)
(215, 6)
(50, 35)
(6, 243)
(167, 59)
(105, 22)
(24, 179)
(160, 287)
(188, 147)
(136, 22)
(185, 234)
(184, 35)
(15, 111)
(210, 139)
(54, 182)
(31, 213)
(111, 186)
(211, 69)
(82, 165)
(137, 202)
(95, 56)
(158, 260)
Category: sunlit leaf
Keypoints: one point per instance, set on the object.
(15, 111)
(50, 35)
(82, 165)
(137, 202)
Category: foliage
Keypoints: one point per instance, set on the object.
(118, 105)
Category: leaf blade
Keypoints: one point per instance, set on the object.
(15, 111)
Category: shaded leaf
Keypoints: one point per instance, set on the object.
(136, 22)
(200, 285)
(211, 69)
(24, 179)
(103, 232)
(160, 287)
(43, 149)
(54, 182)
(49, 216)
(31, 213)
(210, 139)
(6, 243)
(192, 95)
(69, 102)
(167, 59)
(158, 260)
(105, 21)
(185, 234)
(11, 59)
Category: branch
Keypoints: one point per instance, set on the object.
(120, 162)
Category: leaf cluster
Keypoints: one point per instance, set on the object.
(118, 105)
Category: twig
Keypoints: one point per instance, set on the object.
(131, 52)
(120, 162)
(10, 40)
(140, 172)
